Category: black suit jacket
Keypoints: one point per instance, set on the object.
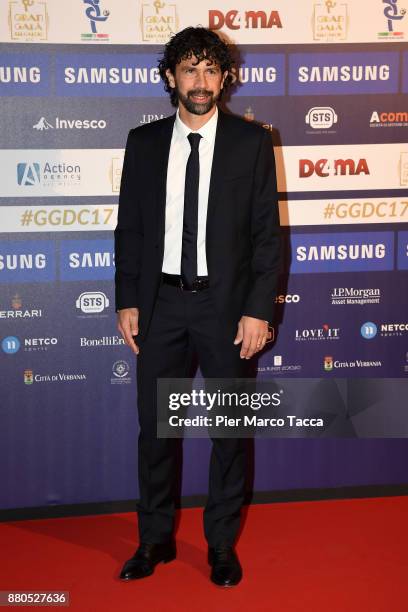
(242, 231)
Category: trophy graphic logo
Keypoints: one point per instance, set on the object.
(330, 21)
(158, 21)
(28, 20)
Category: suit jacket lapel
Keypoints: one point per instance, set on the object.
(217, 170)
(162, 165)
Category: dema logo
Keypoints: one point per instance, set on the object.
(28, 174)
(235, 20)
(339, 167)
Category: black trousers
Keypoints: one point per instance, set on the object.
(183, 320)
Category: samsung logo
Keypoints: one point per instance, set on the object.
(20, 74)
(340, 252)
(23, 261)
(332, 74)
(115, 75)
(256, 74)
(91, 260)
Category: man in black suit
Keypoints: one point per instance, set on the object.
(197, 251)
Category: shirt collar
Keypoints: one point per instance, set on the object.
(207, 131)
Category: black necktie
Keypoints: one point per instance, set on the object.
(190, 216)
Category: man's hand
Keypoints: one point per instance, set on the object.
(253, 333)
(128, 325)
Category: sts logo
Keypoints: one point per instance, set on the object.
(321, 117)
(92, 302)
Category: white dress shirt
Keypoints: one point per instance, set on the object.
(176, 173)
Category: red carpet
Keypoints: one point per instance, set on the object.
(337, 556)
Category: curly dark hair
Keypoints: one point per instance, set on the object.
(198, 41)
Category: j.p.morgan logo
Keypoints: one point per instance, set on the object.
(236, 20)
(34, 174)
(355, 296)
(28, 20)
(69, 124)
(330, 21)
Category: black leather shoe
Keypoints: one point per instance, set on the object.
(226, 568)
(147, 556)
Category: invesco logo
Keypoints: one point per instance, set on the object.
(321, 117)
(287, 298)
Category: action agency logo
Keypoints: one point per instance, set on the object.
(92, 302)
(17, 311)
(115, 173)
(158, 21)
(404, 169)
(69, 124)
(251, 20)
(330, 21)
(28, 20)
(49, 174)
(96, 16)
(393, 15)
(120, 371)
(338, 167)
(389, 119)
(321, 118)
(325, 332)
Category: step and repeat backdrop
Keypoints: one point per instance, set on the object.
(329, 79)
